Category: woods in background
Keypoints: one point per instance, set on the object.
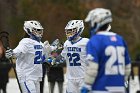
(54, 14)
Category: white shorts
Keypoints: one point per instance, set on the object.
(74, 85)
(30, 86)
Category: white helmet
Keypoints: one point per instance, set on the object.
(73, 29)
(99, 16)
(33, 28)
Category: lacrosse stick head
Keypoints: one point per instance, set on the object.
(4, 37)
(4, 43)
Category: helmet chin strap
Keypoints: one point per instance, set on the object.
(75, 37)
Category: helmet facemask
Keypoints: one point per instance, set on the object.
(73, 29)
(33, 29)
(37, 32)
(70, 33)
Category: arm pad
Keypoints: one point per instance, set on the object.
(127, 71)
(91, 72)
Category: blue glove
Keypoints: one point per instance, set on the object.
(49, 60)
(86, 89)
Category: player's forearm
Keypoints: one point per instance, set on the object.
(16, 52)
(91, 73)
(127, 71)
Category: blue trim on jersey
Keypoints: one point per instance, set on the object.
(76, 41)
(127, 59)
(94, 29)
(44, 59)
(27, 87)
(32, 36)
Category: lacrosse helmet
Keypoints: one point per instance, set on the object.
(98, 17)
(34, 29)
(74, 29)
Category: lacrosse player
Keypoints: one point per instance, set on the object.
(107, 55)
(74, 52)
(30, 53)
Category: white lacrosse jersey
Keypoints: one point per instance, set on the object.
(75, 56)
(29, 55)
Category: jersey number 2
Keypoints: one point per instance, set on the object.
(73, 59)
(115, 63)
(38, 57)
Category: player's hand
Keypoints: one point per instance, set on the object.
(56, 45)
(9, 53)
(49, 60)
(86, 88)
(47, 46)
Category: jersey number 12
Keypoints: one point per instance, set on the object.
(74, 59)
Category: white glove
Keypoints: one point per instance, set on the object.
(47, 47)
(53, 48)
(8, 53)
(55, 44)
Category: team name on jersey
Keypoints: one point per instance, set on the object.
(75, 49)
(38, 46)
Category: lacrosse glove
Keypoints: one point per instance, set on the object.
(9, 53)
(86, 88)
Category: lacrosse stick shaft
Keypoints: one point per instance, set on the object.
(5, 41)
(15, 73)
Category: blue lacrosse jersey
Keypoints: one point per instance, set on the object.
(110, 52)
